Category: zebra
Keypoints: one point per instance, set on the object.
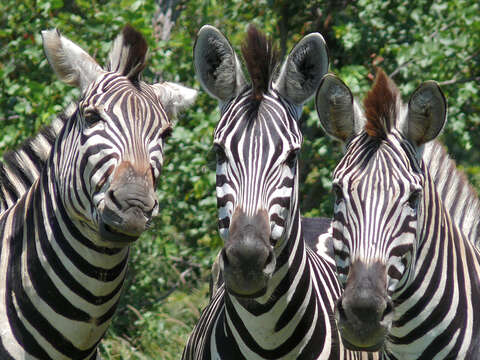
(21, 167)
(65, 241)
(404, 250)
(277, 295)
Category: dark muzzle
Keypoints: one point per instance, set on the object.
(247, 259)
(129, 204)
(364, 311)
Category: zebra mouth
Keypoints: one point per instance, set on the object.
(109, 234)
(353, 347)
(257, 294)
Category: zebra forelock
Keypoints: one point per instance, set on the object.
(381, 105)
(128, 54)
(261, 57)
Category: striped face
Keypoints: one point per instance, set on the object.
(256, 178)
(110, 152)
(378, 186)
(383, 209)
(111, 157)
(256, 161)
(256, 140)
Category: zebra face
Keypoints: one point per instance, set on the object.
(380, 200)
(375, 232)
(257, 141)
(123, 128)
(377, 201)
(256, 181)
(109, 154)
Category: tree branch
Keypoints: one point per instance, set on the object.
(459, 81)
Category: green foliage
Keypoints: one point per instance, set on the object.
(413, 41)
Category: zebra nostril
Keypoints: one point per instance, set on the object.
(269, 258)
(111, 196)
(341, 310)
(388, 309)
(224, 257)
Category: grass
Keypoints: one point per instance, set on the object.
(159, 333)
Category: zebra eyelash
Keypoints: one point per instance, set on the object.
(338, 192)
(92, 118)
(414, 199)
(220, 153)
(166, 133)
(292, 158)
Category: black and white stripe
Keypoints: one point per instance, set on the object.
(61, 275)
(403, 249)
(21, 167)
(257, 141)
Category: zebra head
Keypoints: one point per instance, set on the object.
(379, 197)
(109, 154)
(256, 141)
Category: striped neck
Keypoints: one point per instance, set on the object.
(69, 286)
(440, 310)
(283, 319)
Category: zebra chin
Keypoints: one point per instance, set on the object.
(245, 280)
(247, 261)
(128, 206)
(364, 312)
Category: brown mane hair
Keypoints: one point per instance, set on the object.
(261, 57)
(381, 106)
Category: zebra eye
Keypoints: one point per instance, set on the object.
(337, 190)
(291, 158)
(221, 156)
(91, 118)
(166, 133)
(414, 199)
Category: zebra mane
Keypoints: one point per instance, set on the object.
(22, 166)
(381, 104)
(458, 196)
(128, 54)
(261, 57)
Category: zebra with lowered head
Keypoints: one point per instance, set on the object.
(65, 240)
(278, 294)
(403, 239)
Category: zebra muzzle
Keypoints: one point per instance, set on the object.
(129, 204)
(364, 312)
(248, 260)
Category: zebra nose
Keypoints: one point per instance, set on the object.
(367, 309)
(129, 204)
(363, 312)
(249, 254)
(248, 260)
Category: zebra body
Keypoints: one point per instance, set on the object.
(65, 240)
(409, 272)
(277, 296)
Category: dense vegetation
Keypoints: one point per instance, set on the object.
(167, 284)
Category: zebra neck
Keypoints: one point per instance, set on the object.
(53, 274)
(285, 315)
(437, 304)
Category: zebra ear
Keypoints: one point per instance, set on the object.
(427, 111)
(302, 72)
(71, 63)
(216, 64)
(336, 109)
(128, 54)
(174, 97)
